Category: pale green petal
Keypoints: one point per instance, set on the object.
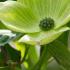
(62, 22)
(48, 8)
(43, 37)
(18, 18)
(56, 9)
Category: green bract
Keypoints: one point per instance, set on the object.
(25, 16)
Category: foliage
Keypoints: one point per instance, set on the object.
(34, 35)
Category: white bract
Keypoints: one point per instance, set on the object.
(6, 36)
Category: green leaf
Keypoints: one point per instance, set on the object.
(53, 65)
(4, 68)
(14, 55)
(26, 51)
(44, 57)
(2, 0)
(59, 50)
(42, 37)
(33, 54)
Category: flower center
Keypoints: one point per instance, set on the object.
(46, 24)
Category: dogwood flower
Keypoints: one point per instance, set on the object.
(42, 21)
